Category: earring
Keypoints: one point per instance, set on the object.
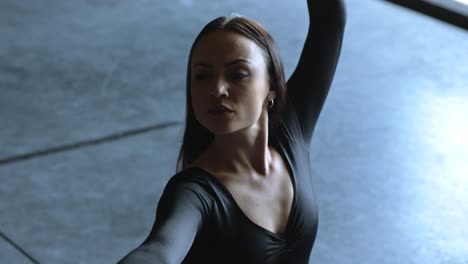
(271, 103)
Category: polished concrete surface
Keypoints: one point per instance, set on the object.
(91, 111)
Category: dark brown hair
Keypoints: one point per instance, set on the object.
(196, 136)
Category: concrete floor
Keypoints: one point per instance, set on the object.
(91, 111)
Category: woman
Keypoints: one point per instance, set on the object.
(243, 193)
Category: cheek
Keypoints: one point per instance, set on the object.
(252, 103)
(197, 103)
(258, 95)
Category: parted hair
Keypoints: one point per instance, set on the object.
(196, 137)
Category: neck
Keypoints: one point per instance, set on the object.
(245, 151)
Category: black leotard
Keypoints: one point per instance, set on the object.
(198, 220)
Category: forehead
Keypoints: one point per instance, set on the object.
(224, 46)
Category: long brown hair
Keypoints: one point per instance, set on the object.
(196, 136)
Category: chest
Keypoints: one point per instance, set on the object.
(267, 203)
(248, 221)
(252, 230)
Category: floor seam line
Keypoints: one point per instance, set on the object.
(17, 247)
(85, 143)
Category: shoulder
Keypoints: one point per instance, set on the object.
(186, 189)
(190, 182)
(189, 177)
(289, 132)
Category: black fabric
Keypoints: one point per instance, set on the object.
(198, 220)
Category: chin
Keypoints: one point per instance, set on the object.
(218, 125)
(220, 129)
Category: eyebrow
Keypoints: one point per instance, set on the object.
(236, 61)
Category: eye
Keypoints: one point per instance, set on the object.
(239, 76)
(201, 76)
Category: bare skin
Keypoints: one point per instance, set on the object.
(230, 69)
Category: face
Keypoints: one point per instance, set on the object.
(229, 71)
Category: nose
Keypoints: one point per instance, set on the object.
(219, 88)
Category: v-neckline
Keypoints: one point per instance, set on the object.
(293, 204)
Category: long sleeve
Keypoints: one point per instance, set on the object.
(180, 215)
(309, 84)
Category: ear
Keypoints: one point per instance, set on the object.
(271, 95)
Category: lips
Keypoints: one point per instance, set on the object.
(219, 108)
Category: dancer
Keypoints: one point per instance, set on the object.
(243, 191)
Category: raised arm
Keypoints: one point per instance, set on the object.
(309, 84)
(180, 215)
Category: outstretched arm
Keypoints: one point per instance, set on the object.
(178, 220)
(309, 84)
